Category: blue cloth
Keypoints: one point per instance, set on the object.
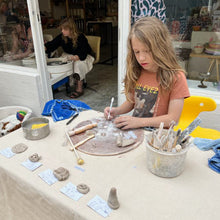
(214, 162)
(61, 109)
(206, 144)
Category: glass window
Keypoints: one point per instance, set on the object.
(16, 43)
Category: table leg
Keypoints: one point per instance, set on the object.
(210, 66)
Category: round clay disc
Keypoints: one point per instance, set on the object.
(83, 188)
(19, 148)
(61, 173)
(105, 141)
(34, 157)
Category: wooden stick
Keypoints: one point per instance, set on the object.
(80, 161)
(82, 142)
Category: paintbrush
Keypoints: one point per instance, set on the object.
(112, 100)
(74, 116)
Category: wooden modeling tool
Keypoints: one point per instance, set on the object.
(112, 100)
(82, 142)
(82, 129)
(80, 161)
(176, 138)
(193, 125)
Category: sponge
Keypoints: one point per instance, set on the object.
(36, 126)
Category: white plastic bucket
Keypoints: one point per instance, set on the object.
(165, 164)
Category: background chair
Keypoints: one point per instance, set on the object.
(94, 42)
(191, 110)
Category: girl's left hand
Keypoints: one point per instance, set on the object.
(126, 122)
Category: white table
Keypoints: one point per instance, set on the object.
(195, 194)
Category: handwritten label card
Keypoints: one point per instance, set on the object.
(100, 206)
(7, 152)
(70, 190)
(31, 165)
(48, 177)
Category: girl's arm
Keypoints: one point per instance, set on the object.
(115, 111)
(174, 112)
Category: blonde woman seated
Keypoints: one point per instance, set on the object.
(76, 46)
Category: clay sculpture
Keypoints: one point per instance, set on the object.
(34, 157)
(19, 148)
(113, 199)
(61, 173)
(83, 188)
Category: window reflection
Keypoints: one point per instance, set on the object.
(16, 43)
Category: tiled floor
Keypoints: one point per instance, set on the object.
(101, 87)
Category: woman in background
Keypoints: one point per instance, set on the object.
(77, 48)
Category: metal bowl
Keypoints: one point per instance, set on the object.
(37, 133)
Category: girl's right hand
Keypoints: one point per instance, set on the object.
(112, 115)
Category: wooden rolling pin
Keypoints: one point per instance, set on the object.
(82, 129)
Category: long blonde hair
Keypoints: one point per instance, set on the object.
(155, 35)
(68, 23)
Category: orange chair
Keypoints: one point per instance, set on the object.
(191, 110)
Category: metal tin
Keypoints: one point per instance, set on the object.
(38, 133)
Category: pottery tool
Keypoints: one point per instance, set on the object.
(82, 129)
(195, 123)
(112, 100)
(80, 161)
(74, 116)
(176, 138)
(58, 59)
(82, 142)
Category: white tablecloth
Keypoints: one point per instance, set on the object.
(195, 194)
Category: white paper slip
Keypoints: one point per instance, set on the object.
(48, 177)
(7, 152)
(31, 165)
(100, 206)
(70, 190)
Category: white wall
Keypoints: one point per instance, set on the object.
(22, 89)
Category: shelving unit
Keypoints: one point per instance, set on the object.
(85, 10)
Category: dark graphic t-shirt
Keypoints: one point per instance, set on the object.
(145, 99)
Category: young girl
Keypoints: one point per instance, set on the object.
(155, 84)
(76, 46)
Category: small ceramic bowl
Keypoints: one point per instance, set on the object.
(198, 49)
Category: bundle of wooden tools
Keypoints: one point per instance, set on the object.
(170, 140)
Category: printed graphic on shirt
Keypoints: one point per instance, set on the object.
(145, 99)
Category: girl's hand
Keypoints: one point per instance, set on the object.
(113, 113)
(127, 122)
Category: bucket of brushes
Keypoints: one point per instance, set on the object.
(166, 152)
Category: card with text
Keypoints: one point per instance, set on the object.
(100, 206)
(7, 152)
(31, 165)
(48, 177)
(71, 191)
